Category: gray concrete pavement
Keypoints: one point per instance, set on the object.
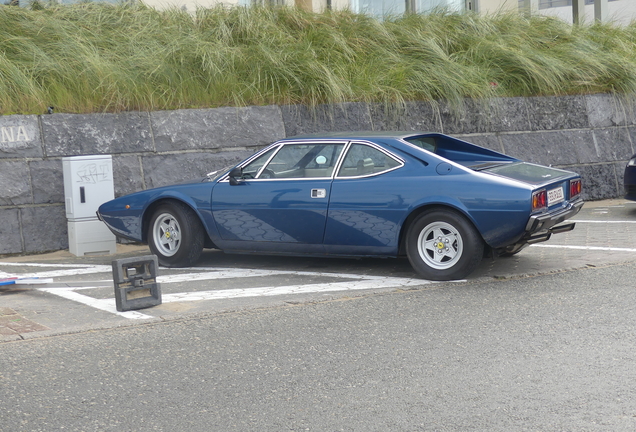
(81, 296)
(549, 353)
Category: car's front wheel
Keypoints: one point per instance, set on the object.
(175, 235)
(443, 245)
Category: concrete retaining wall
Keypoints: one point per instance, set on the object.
(594, 135)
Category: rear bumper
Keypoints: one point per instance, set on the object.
(544, 222)
(541, 227)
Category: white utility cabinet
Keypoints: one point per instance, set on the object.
(88, 183)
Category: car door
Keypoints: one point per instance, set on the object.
(280, 201)
(366, 203)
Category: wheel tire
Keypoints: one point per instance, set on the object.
(443, 245)
(175, 235)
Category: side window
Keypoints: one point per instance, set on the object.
(362, 160)
(250, 170)
(303, 161)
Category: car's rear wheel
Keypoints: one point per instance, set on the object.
(443, 245)
(175, 235)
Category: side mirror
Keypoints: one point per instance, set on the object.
(236, 176)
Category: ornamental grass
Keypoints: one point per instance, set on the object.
(98, 57)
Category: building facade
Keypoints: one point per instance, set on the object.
(619, 11)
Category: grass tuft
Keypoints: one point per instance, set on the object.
(96, 57)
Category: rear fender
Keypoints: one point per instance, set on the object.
(431, 203)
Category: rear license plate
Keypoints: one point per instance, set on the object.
(555, 196)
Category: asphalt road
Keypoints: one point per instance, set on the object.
(543, 341)
(553, 352)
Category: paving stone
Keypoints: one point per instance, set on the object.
(6, 331)
(7, 311)
(17, 324)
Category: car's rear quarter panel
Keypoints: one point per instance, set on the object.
(374, 211)
(498, 209)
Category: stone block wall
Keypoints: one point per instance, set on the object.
(594, 135)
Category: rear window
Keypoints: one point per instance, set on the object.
(426, 143)
(529, 173)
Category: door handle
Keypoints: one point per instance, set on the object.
(319, 193)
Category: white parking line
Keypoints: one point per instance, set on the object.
(22, 264)
(107, 305)
(73, 269)
(199, 274)
(595, 248)
(356, 283)
(602, 221)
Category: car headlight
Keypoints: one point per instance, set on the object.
(632, 162)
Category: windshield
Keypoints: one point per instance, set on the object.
(215, 175)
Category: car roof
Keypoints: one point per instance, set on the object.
(362, 135)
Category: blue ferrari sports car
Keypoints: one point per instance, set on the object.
(440, 201)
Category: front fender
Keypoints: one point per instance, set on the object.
(128, 216)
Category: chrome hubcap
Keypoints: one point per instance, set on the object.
(167, 234)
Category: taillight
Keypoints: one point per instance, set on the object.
(539, 200)
(575, 188)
